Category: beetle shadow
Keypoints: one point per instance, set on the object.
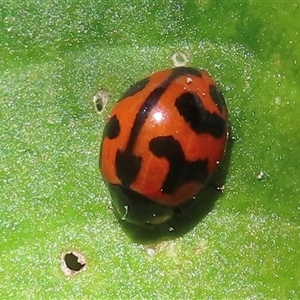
(187, 217)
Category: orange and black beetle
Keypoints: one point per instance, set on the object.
(163, 140)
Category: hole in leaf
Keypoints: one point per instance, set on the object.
(72, 262)
(179, 59)
(100, 100)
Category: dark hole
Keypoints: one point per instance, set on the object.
(72, 263)
(100, 99)
(99, 104)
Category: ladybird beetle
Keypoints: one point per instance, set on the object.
(163, 140)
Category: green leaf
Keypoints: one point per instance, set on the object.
(55, 56)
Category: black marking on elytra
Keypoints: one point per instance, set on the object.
(112, 128)
(180, 71)
(181, 171)
(111, 131)
(143, 114)
(190, 107)
(152, 100)
(135, 88)
(127, 164)
(217, 97)
(128, 167)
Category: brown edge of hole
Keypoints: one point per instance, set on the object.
(72, 262)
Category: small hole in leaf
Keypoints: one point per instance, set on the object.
(72, 262)
(100, 100)
(179, 59)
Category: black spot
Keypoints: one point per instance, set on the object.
(217, 97)
(128, 167)
(180, 170)
(112, 128)
(190, 107)
(135, 88)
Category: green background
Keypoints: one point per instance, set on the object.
(54, 56)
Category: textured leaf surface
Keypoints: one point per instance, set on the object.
(55, 55)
